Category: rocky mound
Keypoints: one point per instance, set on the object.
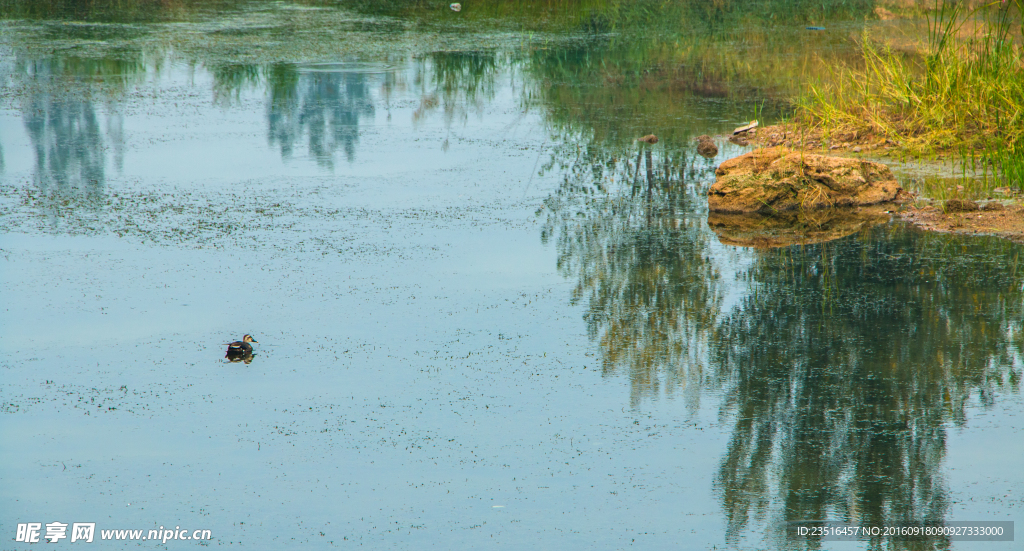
(961, 205)
(706, 146)
(778, 179)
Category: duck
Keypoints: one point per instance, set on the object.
(241, 348)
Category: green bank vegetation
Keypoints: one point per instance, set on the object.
(126, 11)
(616, 69)
(625, 16)
(959, 95)
(541, 15)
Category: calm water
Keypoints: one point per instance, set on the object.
(487, 317)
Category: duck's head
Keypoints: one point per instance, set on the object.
(248, 338)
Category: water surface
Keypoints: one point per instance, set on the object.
(486, 315)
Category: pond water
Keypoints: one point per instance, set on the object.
(487, 316)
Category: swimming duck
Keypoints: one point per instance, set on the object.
(242, 347)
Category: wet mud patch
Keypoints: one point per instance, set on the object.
(992, 218)
(798, 137)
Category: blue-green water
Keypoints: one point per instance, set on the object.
(487, 316)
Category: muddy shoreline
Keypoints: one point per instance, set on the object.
(1007, 222)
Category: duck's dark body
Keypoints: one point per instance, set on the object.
(240, 349)
(245, 358)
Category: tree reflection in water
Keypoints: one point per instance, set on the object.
(457, 83)
(627, 229)
(842, 368)
(66, 131)
(847, 362)
(70, 134)
(68, 145)
(324, 104)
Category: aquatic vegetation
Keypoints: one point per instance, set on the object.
(962, 94)
(112, 10)
(621, 16)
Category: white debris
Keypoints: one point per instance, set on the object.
(744, 128)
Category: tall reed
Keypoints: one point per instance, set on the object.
(961, 94)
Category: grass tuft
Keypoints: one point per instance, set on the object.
(961, 95)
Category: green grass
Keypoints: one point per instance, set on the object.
(960, 96)
(624, 16)
(122, 11)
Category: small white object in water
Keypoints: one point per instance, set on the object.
(497, 506)
(745, 127)
(456, 7)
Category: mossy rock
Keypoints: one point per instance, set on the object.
(778, 179)
(961, 205)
